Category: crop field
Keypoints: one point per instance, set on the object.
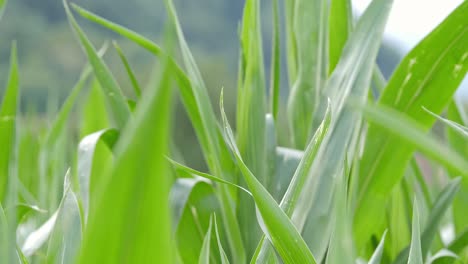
(368, 169)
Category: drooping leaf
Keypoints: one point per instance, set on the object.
(296, 185)
(86, 158)
(274, 222)
(193, 201)
(405, 128)
(206, 175)
(196, 100)
(65, 238)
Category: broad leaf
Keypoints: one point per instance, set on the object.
(439, 60)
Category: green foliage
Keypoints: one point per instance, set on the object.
(101, 190)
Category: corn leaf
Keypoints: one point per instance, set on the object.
(377, 255)
(205, 250)
(274, 222)
(124, 226)
(459, 143)
(295, 188)
(405, 128)
(275, 68)
(3, 4)
(193, 201)
(198, 106)
(251, 107)
(131, 75)
(115, 99)
(94, 116)
(340, 24)
(309, 26)
(350, 79)
(65, 238)
(86, 163)
(437, 212)
(415, 83)
(415, 254)
(224, 258)
(8, 115)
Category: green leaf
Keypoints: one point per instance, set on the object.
(5, 249)
(413, 134)
(198, 106)
(224, 258)
(274, 222)
(206, 175)
(86, 163)
(193, 202)
(340, 24)
(437, 212)
(460, 144)
(377, 255)
(291, 43)
(350, 79)
(309, 25)
(94, 116)
(415, 83)
(119, 108)
(205, 250)
(62, 230)
(124, 226)
(8, 112)
(275, 68)
(3, 4)
(286, 163)
(415, 254)
(65, 238)
(341, 247)
(251, 107)
(296, 186)
(462, 130)
(131, 75)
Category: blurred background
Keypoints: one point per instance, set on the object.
(51, 59)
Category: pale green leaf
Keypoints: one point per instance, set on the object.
(8, 116)
(114, 97)
(274, 222)
(415, 254)
(377, 255)
(123, 226)
(439, 60)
